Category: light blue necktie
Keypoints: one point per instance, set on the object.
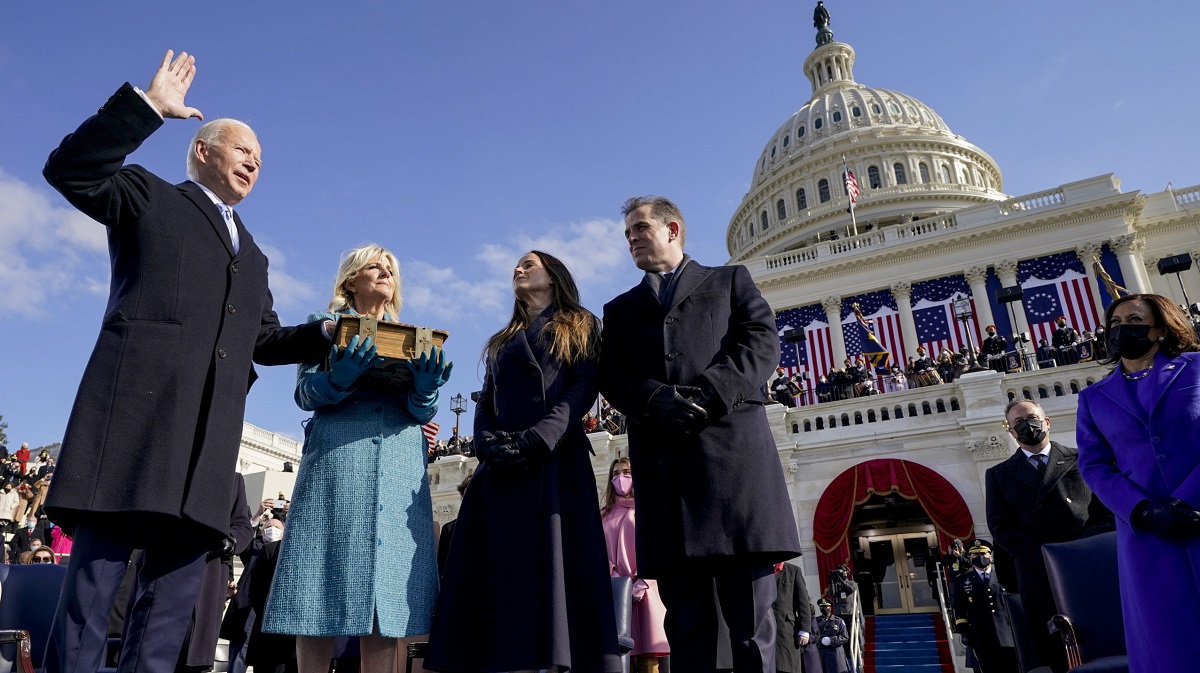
(227, 212)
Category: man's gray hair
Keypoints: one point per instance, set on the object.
(210, 133)
(1021, 400)
(661, 208)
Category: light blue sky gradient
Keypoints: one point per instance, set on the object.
(462, 133)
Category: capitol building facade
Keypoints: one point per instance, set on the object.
(887, 476)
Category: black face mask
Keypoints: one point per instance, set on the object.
(1030, 432)
(981, 562)
(825, 612)
(1130, 341)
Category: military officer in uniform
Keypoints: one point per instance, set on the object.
(994, 348)
(1064, 339)
(981, 617)
(831, 634)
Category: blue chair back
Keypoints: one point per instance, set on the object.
(28, 599)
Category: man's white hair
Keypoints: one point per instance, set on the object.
(210, 133)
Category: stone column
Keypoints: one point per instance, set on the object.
(1006, 270)
(1129, 250)
(977, 279)
(902, 293)
(833, 316)
(1086, 251)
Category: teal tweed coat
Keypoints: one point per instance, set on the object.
(359, 536)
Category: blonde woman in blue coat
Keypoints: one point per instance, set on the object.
(362, 478)
(1138, 431)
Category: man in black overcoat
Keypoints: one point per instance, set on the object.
(686, 356)
(1029, 505)
(981, 617)
(154, 433)
(793, 618)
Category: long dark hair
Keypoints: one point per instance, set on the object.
(572, 330)
(610, 493)
(1180, 336)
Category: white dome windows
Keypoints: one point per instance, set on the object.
(772, 153)
(781, 210)
(856, 111)
(873, 178)
(924, 172)
(837, 116)
(875, 109)
(898, 169)
(801, 199)
(818, 123)
(893, 108)
(786, 139)
(765, 221)
(799, 131)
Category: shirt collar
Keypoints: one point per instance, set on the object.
(1044, 452)
(215, 199)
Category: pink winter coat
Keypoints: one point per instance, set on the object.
(60, 542)
(648, 609)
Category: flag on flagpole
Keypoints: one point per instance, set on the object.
(1115, 291)
(430, 430)
(874, 351)
(851, 183)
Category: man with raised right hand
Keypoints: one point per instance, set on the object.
(152, 441)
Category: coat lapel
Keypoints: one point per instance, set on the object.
(1115, 389)
(1164, 376)
(1057, 465)
(210, 210)
(690, 277)
(1018, 468)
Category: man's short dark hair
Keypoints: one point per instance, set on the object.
(1021, 400)
(661, 208)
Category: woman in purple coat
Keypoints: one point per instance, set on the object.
(1139, 449)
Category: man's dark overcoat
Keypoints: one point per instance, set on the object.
(719, 493)
(793, 612)
(1027, 509)
(528, 565)
(156, 424)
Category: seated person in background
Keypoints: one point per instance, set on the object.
(1046, 355)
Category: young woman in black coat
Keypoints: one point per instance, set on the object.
(527, 585)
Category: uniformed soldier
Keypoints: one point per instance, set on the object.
(981, 617)
(994, 348)
(1064, 339)
(830, 633)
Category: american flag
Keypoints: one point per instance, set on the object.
(879, 308)
(430, 431)
(851, 183)
(1054, 286)
(933, 314)
(813, 355)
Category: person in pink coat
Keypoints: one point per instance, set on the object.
(60, 542)
(618, 518)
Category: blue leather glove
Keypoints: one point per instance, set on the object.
(430, 372)
(349, 363)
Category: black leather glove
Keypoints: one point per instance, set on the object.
(486, 446)
(671, 408)
(518, 449)
(224, 551)
(1172, 519)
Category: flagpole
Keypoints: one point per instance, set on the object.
(845, 184)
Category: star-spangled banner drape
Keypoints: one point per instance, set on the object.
(1056, 285)
(880, 308)
(933, 314)
(814, 355)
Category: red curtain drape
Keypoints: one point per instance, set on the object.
(855, 486)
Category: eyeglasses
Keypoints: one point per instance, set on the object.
(43, 559)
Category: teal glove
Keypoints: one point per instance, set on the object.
(349, 363)
(430, 372)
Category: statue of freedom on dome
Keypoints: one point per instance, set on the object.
(820, 16)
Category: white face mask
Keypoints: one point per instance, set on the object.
(272, 534)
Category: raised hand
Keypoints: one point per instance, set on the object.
(170, 84)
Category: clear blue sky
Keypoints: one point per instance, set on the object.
(460, 134)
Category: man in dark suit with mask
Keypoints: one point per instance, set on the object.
(1035, 497)
(981, 617)
(686, 355)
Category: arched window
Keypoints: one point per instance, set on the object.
(800, 131)
(924, 172)
(765, 222)
(781, 209)
(772, 151)
(946, 175)
(823, 190)
(900, 177)
(967, 177)
(801, 199)
(873, 177)
(786, 140)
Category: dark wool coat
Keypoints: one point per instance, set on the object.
(793, 613)
(1027, 509)
(1132, 450)
(157, 421)
(527, 568)
(720, 493)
